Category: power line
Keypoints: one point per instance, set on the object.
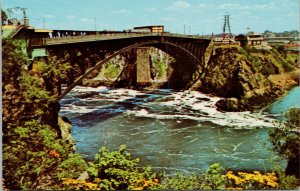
(226, 27)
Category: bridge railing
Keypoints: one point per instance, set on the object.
(100, 37)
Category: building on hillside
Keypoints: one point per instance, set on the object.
(294, 47)
(152, 29)
(277, 41)
(256, 39)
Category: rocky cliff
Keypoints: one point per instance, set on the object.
(241, 76)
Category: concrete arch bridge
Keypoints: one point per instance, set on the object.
(192, 52)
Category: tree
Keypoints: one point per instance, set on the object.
(286, 141)
(14, 60)
(243, 40)
(3, 17)
(34, 154)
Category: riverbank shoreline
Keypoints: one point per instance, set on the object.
(287, 80)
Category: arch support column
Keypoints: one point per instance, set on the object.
(143, 73)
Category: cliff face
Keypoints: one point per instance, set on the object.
(241, 76)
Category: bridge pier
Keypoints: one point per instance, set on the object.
(143, 71)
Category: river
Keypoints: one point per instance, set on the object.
(173, 131)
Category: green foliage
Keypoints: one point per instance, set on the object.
(56, 68)
(180, 182)
(286, 182)
(32, 151)
(213, 179)
(266, 70)
(243, 40)
(286, 140)
(3, 17)
(282, 60)
(55, 72)
(33, 92)
(292, 58)
(13, 60)
(287, 66)
(159, 68)
(117, 170)
(267, 61)
(109, 71)
(24, 95)
(71, 167)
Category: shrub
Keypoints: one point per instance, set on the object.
(116, 170)
(159, 68)
(180, 182)
(286, 141)
(32, 152)
(213, 178)
(286, 182)
(72, 167)
(14, 59)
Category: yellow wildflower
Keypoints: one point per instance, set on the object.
(138, 188)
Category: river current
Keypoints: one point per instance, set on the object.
(173, 131)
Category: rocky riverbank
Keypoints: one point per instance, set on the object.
(247, 78)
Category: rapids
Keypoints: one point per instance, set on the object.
(173, 131)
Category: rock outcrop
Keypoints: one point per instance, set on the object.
(241, 77)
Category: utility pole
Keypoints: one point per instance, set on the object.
(183, 29)
(95, 25)
(44, 23)
(226, 27)
(190, 29)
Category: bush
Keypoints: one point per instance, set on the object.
(72, 167)
(286, 182)
(32, 152)
(116, 170)
(14, 59)
(159, 69)
(212, 179)
(286, 141)
(180, 182)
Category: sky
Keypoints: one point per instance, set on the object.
(178, 16)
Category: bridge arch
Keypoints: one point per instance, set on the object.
(125, 49)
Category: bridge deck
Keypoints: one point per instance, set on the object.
(37, 42)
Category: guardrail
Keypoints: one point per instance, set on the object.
(100, 37)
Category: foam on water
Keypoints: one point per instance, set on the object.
(90, 89)
(190, 100)
(191, 105)
(77, 109)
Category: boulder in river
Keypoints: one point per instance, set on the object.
(228, 104)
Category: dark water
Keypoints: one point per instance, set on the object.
(172, 131)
